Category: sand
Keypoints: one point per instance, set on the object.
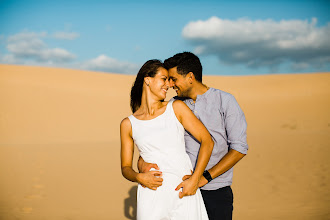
(59, 145)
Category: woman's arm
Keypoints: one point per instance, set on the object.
(198, 130)
(148, 179)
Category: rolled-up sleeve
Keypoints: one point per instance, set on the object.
(235, 125)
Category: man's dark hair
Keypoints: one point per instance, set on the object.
(185, 62)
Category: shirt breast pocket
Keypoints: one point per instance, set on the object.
(214, 120)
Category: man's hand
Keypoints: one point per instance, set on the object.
(202, 181)
(144, 167)
(150, 179)
(189, 187)
(148, 166)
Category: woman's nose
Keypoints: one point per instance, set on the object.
(167, 83)
(170, 83)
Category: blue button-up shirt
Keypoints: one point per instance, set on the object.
(225, 120)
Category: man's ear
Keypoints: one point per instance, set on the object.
(191, 77)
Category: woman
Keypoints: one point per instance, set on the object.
(157, 128)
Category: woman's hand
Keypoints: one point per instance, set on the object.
(202, 182)
(189, 187)
(150, 179)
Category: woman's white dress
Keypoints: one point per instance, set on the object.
(161, 141)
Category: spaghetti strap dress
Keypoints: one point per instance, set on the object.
(161, 141)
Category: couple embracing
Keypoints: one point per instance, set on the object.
(188, 146)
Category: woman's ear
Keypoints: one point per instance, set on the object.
(147, 81)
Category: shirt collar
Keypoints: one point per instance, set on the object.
(204, 95)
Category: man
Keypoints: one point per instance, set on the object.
(224, 119)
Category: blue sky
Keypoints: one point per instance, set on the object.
(230, 37)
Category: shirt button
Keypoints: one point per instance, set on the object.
(192, 103)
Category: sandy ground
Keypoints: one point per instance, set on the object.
(59, 145)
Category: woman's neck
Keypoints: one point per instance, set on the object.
(149, 105)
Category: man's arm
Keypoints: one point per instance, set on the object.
(144, 167)
(235, 125)
(225, 164)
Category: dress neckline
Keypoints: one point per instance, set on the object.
(155, 117)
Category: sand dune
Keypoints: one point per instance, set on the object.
(59, 145)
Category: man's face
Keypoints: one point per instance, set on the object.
(179, 82)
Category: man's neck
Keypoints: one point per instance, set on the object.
(197, 89)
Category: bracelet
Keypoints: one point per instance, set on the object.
(207, 176)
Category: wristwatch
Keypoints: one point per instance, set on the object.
(207, 176)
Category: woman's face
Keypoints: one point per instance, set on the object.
(159, 84)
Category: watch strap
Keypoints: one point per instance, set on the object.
(207, 175)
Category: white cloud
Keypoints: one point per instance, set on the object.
(108, 64)
(27, 46)
(26, 35)
(10, 59)
(261, 43)
(66, 35)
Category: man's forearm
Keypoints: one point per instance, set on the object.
(144, 166)
(140, 164)
(227, 162)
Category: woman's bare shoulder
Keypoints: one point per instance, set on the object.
(125, 123)
(178, 104)
(180, 109)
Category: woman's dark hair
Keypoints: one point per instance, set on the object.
(150, 69)
(185, 62)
